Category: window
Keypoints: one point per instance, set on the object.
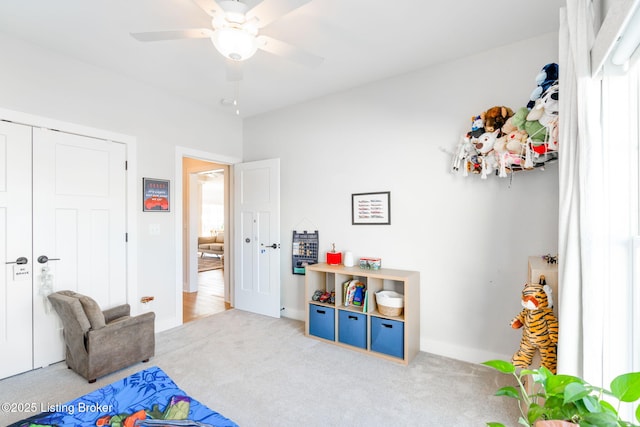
(212, 203)
(621, 130)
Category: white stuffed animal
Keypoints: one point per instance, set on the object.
(546, 112)
(546, 109)
(484, 144)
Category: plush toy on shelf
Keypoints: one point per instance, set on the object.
(508, 126)
(536, 131)
(516, 141)
(477, 127)
(547, 107)
(484, 144)
(546, 78)
(539, 327)
(510, 151)
(464, 151)
(484, 148)
(495, 117)
(546, 111)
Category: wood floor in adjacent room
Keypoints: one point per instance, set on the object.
(208, 300)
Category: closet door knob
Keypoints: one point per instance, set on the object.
(20, 260)
(43, 259)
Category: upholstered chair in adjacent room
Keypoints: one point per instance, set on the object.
(101, 342)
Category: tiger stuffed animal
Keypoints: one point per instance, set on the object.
(539, 327)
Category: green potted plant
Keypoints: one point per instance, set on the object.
(565, 398)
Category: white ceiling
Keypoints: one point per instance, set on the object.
(361, 41)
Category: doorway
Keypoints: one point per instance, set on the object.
(205, 222)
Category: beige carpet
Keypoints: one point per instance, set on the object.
(206, 263)
(261, 371)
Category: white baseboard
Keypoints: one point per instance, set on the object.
(294, 314)
(167, 324)
(466, 354)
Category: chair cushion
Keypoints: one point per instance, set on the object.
(75, 309)
(93, 312)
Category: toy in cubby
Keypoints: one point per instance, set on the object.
(354, 293)
(324, 296)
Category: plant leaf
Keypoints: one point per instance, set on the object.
(601, 419)
(508, 391)
(626, 387)
(545, 372)
(608, 407)
(556, 383)
(574, 391)
(495, 424)
(501, 365)
(535, 413)
(592, 404)
(541, 375)
(638, 413)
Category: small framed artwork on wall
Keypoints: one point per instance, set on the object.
(371, 208)
(155, 195)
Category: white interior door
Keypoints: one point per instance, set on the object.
(15, 243)
(257, 234)
(79, 223)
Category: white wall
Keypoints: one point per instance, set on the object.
(469, 238)
(43, 83)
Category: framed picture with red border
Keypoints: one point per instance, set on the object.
(155, 195)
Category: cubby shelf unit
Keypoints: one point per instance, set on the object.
(395, 338)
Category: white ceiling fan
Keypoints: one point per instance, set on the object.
(235, 31)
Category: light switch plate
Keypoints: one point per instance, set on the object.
(154, 229)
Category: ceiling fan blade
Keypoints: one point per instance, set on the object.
(289, 52)
(233, 70)
(268, 11)
(154, 36)
(210, 7)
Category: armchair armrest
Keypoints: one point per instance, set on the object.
(126, 328)
(113, 313)
(121, 343)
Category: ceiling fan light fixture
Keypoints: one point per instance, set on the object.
(235, 43)
(234, 11)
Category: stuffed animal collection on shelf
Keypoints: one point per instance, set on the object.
(502, 141)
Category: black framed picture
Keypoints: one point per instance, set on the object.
(371, 208)
(155, 195)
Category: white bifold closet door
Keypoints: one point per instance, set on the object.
(75, 188)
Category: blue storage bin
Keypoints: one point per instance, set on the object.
(387, 336)
(352, 328)
(322, 322)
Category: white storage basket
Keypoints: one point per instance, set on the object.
(390, 303)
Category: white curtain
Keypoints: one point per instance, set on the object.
(596, 221)
(580, 314)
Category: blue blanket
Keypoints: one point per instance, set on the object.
(140, 391)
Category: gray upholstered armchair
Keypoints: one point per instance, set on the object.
(101, 342)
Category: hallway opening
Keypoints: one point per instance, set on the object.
(205, 214)
(208, 300)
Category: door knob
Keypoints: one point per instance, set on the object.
(43, 259)
(274, 246)
(20, 260)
